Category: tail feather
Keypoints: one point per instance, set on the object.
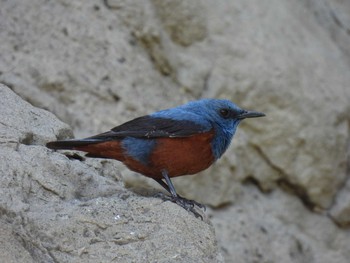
(70, 144)
(93, 147)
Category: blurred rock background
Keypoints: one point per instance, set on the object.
(282, 191)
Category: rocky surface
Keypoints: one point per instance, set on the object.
(60, 209)
(96, 64)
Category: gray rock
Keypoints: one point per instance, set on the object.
(276, 227)
(14, 110)
(184, 21)
(340, 211)
(95, 66)
(333, 16)
(60, 209)
(11, 248)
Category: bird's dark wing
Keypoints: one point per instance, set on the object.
(152, 127)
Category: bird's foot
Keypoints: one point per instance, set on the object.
(186, 204)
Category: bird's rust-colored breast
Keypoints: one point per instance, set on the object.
(178, 156)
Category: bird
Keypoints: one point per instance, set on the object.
(178, 141)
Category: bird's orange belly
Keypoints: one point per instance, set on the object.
(178, 156)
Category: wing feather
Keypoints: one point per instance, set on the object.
(153, 127)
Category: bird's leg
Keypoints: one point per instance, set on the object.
(181, 201)
(171, 189)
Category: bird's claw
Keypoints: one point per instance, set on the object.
(188, 205)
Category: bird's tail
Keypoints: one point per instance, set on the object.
(70, 144)
(93, 147)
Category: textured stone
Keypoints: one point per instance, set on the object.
(27, 133)
(277, 228)
(185, 21)
(334, 17)
(57, 208)
(340, 210)
(96, 65)
(11, 249)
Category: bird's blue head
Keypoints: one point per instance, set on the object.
(224, 116)
(221, 115)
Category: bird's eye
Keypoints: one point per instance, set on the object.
(225, 113)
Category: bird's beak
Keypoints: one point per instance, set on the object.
(250, 114)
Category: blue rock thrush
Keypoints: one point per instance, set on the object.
(179, 141)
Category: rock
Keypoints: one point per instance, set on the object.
(276, 227)
(107, 85)
(333, 16)
(58, 208)
(45, 129)
(112, 229)
(11, 248)
(340, 211)
(184, 21)
(98, 64)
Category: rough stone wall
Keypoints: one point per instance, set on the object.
(281, 192)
